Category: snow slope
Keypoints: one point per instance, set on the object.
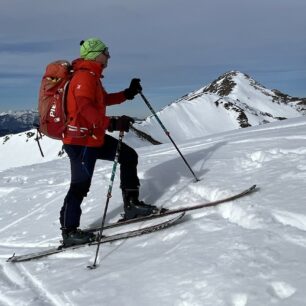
(232, 101)
(248, 252)
(22, 149)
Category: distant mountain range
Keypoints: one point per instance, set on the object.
(13, 122)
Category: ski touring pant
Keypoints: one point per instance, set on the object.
(82, 162)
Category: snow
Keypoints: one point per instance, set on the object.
(203, 113)
(23, 149)
(191, 119)
(246, 252)
(257, 96)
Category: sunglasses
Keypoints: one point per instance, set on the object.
(106, 52)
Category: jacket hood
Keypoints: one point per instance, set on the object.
(92, 66)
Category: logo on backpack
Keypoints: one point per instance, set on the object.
(52, 99)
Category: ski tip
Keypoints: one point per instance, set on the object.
(252, 189)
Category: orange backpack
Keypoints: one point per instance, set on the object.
(52, 99)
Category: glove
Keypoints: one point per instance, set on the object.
(120, 123)
(133, 90)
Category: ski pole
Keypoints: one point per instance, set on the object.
(38, 136)
(109, 195)
(168, 134)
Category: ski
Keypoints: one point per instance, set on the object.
(133, 233)
(178, 210)
(105, 239)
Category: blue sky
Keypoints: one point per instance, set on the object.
(174, 46)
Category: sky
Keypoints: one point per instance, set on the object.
(174, 46)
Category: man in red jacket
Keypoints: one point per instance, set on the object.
(85, 140)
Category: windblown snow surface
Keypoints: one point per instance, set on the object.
(247, 252)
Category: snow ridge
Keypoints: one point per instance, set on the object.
(234, 100)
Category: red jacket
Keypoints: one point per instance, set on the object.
(86, 105)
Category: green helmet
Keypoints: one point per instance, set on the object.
(91, 48)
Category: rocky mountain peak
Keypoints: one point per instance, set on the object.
(224, 84)
(233, 100)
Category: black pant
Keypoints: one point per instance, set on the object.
(82, 161)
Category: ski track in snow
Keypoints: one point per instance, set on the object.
(43, 296)
(17, 281)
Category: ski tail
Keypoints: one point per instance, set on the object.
(105, 239)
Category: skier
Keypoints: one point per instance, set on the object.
(85, 140)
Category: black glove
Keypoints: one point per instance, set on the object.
(133, 90)
(120, 123)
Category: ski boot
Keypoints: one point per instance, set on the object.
(74, 236)
(133, 208)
